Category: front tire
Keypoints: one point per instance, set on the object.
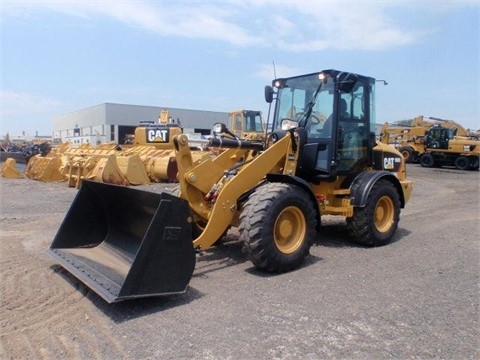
(407, 154)
(277, 227)
(376, 222)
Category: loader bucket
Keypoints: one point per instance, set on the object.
(44, 168)
(9, 169)
(126, 243)
(106, 170)
(133, 169)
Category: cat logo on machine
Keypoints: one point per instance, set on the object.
(390, 162)
(157, 135)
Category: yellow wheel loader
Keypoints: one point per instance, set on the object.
(246, 124)
(320, 159)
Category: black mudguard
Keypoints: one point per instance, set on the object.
(363, 183)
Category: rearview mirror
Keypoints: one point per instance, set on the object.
(268, 94)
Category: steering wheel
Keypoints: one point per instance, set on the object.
(314, 119)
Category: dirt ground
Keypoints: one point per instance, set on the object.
(416, 298)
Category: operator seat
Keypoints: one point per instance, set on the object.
(342, 114)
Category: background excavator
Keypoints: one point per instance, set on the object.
(126, 243)
(434, 142)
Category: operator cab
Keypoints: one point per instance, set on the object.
(333, 113)
(245, 121)
(438, 136)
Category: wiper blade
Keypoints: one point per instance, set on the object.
(309, 107)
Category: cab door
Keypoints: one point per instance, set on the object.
(353, 129)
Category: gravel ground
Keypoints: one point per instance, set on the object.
(416, 298)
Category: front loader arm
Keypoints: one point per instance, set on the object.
(196, 179)
(279, 157)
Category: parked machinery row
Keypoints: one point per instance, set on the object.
(148, 155)
(434, 144)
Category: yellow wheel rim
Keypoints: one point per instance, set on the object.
(290, 229)
(384, 214)
(405, 154)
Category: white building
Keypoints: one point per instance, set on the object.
(111, 122)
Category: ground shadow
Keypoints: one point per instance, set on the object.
(132, 308)
(309, 261)
(335, 234)
(136, 308)
(226, 253)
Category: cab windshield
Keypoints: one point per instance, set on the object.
(307, 100)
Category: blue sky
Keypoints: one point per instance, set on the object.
(61, 56)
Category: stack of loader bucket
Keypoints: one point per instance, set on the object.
(44, 168)
(132, 169)
(157, 163)
(49, 167)
(107, 171)
(79, 163)
(9, 169)
(126, 243)
(162, 166)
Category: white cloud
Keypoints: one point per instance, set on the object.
(184, 19)
(346, 26)
(292, 26)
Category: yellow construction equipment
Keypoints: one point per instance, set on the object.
(398, 134)
(133, 169)
(441, 147)
(9, 169)
(148, 157)
(47, 166)
(411, 140)
(153, 143)
(81, 163)
(107, 171)
(126, 243)
(246, 124)
(134, 164)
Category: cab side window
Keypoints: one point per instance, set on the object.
(353, 129)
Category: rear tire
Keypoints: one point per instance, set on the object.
(426, 160)
(376, 222)
(474, 161)
(462, 163)
(277, 227)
